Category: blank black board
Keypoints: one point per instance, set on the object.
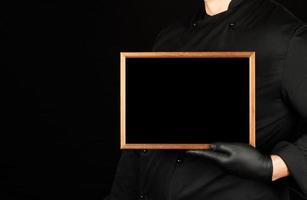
(185, 100)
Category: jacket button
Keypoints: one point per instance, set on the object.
(141, 196)
(194, 26)
(179, 161)
(232, 25)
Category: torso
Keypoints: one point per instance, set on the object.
(265, 30)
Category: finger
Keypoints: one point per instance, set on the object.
(216, 156)
(222, 147)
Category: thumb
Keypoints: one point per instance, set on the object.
(216, 156)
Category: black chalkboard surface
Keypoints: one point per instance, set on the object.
(186, 100)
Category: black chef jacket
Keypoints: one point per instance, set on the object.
(280, 42)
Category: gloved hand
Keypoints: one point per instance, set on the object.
(240, 159)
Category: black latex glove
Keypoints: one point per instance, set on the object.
(240, 159)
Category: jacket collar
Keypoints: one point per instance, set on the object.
(235, 3)
(201, 10)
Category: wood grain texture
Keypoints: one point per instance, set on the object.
(122, 100)
(252, 101)
(211, 54)
(166, 146)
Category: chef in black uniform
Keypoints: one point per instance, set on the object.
(233, 170)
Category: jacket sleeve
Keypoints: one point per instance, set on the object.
(294, 90)
(126, 181)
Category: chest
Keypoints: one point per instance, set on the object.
(270, 45)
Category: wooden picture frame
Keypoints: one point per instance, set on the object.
(126, 55)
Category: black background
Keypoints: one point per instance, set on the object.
(59, 75)
(166, 98)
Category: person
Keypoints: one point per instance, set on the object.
(278, 166)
